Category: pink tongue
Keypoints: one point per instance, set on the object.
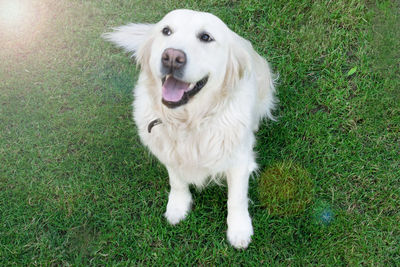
(174, 89)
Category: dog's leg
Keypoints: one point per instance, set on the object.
(240, 228)
(179, 200)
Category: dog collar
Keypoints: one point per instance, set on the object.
(152, 124)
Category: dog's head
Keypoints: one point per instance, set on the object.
(190, 53)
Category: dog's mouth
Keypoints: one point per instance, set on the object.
(176, 92)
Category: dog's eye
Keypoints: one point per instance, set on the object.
(205, 37)
(166, 31)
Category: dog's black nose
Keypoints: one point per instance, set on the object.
(173, 59)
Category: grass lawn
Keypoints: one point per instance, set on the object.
(78, 188)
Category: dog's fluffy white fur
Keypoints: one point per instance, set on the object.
(212, 135)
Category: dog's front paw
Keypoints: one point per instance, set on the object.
(174, 216)
(240, 231)
(178, 207)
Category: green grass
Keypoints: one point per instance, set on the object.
(78, 188)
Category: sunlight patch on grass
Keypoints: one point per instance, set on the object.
(21, 21)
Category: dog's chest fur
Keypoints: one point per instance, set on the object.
(200, 147)
(203, 145)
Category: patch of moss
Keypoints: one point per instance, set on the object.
(285, 189)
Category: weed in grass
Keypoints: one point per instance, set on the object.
(285, 189)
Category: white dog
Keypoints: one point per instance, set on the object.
(201, 94)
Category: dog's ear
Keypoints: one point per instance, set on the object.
(239, 61)
(131, 37)
(243, 60)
